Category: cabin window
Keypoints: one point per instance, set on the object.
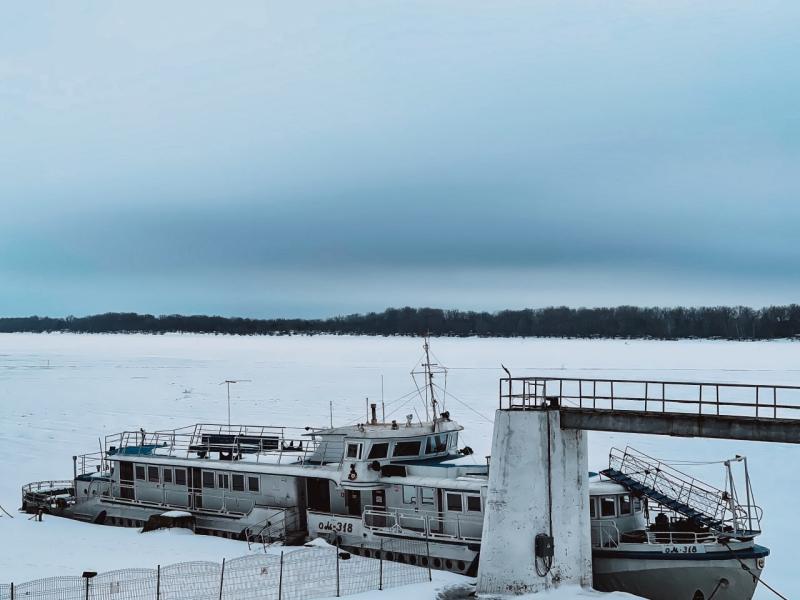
(409, 494)
(167, 475)
(354, 451)
(426, 495)
(140, 472)
(454, 502)
(625, 504)
(379, 450)
(452, 441)
(637, 505)
(152, 475)
(237, 483)
(407, 448)
(436, 443)
(473, 503)
(608, 506)
(252, 484)
(180, 477)
(208, 479)
(592, 509)
(222, 481)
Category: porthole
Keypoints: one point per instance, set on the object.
(448, 564)
(461, 566)
(424, 561)
(412, 560)
(437, 563)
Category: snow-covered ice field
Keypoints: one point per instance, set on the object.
(60, 392)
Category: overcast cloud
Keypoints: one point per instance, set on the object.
(314, 158)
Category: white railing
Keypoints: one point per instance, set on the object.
(423, 524)
(237, 442)
(606, 534)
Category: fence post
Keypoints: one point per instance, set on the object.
(221, 578)
(12, 590)
(158, 582)
(280, 578)
(380, 567)
(337, 571)
(428, 556)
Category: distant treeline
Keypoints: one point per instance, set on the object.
(738, 323)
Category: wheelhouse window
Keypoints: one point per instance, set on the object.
(473, 503)
(222, 481)
(152, 475)
(167, 475)
(252, 484)
(208, 479)
(436, 443)
(354, 451)
(407, 448)
(608, 506)
(454, 503)
(625, 507)
(140, 472)
(180, 477)
(237, 483)
(379, 450)
(409, 494)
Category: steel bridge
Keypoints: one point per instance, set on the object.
(756, 412)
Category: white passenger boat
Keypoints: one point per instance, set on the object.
(404, 489)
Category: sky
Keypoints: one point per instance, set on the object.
(319, 158)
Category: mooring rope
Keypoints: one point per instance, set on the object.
(755, 577)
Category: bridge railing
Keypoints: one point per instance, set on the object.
(704, 398)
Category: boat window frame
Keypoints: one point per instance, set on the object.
(166, 475)
(153, 474)
(241, 486)
(406, 445)
(620, 505)
(613, 505)
(459, 495)
(223, 481)
(250, 486)
(137, 469)
(436, 443)
(359, 446)
(204, 480)
(384, 446)
(470, 496)
(182, 472)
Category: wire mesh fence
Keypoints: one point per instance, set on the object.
(297, 574)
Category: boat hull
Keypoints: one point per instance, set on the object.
(655, 577)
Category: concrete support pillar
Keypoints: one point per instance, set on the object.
(520, 504)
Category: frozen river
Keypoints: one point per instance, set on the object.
(60, 393)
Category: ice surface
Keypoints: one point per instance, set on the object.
(59, 393)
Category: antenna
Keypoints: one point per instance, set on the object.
(228, 382)
(429, 376)
(383, 406)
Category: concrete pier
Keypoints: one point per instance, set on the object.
(538, 484)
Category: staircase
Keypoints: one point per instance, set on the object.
(676, 491)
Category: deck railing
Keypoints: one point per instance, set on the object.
(423, 524)
(706, 398)
(236, 442)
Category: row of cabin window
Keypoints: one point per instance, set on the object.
(235, 481)
(455, 501)
(433, 445)
(613, 506)
(230, 481)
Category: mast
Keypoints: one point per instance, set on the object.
(429, 377)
